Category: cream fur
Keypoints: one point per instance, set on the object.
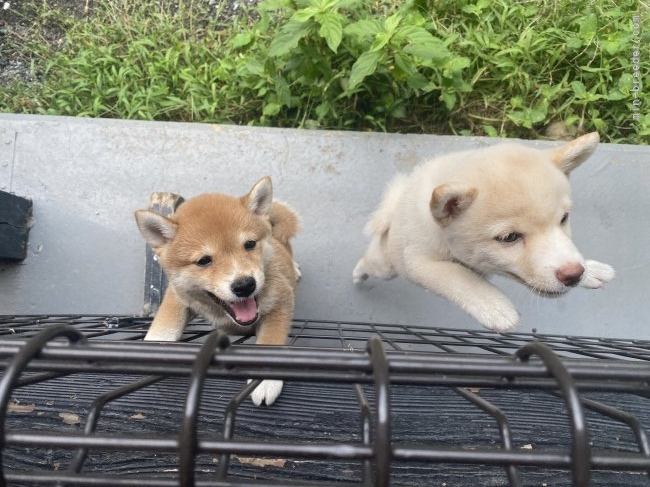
(448, 224)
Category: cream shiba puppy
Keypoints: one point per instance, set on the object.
(497, 210)
(229, 260)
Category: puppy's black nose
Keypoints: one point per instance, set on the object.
(244, 287)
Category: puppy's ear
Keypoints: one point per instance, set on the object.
(260, 198)
(571, 155)
(156, 229)
(450, 200)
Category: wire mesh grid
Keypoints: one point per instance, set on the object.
(85, 402)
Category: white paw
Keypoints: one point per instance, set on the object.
(596, 274)
(358, 274)
(297, 269)
(498, 315)
(164, 334)
(267, 392)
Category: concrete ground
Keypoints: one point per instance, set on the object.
(86, 177)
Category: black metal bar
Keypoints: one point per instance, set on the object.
(188, 443)
(39, 377)
(504, 428)
(615, 461)
(629, 348)
(30, 350)
(89, 480)
(249, 447)
(580, 449)
(229, 423)
(95, 411)
(366, 429)
(442, 363)
(382, 448)
(634, 424)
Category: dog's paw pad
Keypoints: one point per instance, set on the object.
(596, 274)
(267, 392)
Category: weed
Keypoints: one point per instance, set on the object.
(482, 67)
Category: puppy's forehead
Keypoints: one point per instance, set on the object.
(520, 184)
(524, 171)
(215, 217)
(206, 206)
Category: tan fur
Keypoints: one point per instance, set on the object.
(220, 227)
(448, 224)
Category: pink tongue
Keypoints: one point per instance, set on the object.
(245, 310)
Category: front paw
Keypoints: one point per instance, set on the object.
(359, 274)
(497, 315)
(596, 274)
(267, 392)
(161, 333)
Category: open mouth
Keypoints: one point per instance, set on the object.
(244, 312)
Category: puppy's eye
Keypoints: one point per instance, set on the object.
(510, 238)
(564, 219)
(250, 244)
(204, 261)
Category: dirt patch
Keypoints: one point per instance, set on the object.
(17, 21)
(19, 18)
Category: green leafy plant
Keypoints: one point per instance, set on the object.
(481, 67)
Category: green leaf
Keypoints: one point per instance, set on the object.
(455, 65)
(322, 110)
(271, 109)
(589, 26)
(490, 131)
(391, 23)
(549, 91)
(381, 39)
(242, 39)
(398, 112)
(288, 38)
(625, 84)
(418, 81)
(349, 4)
(599, 124)
(283, 92)
(271, 5)
(330, 29)
(449, 99)
(422, 44)
(363, 28)
(303, 15)
(364, 66)
(253, 67)
(579, 89)
(405, 64)
(574, 43)
(478, 8)
(529, 116)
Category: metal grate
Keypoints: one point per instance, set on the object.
(85, 402)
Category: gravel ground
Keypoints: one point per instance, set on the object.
(16, 17)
